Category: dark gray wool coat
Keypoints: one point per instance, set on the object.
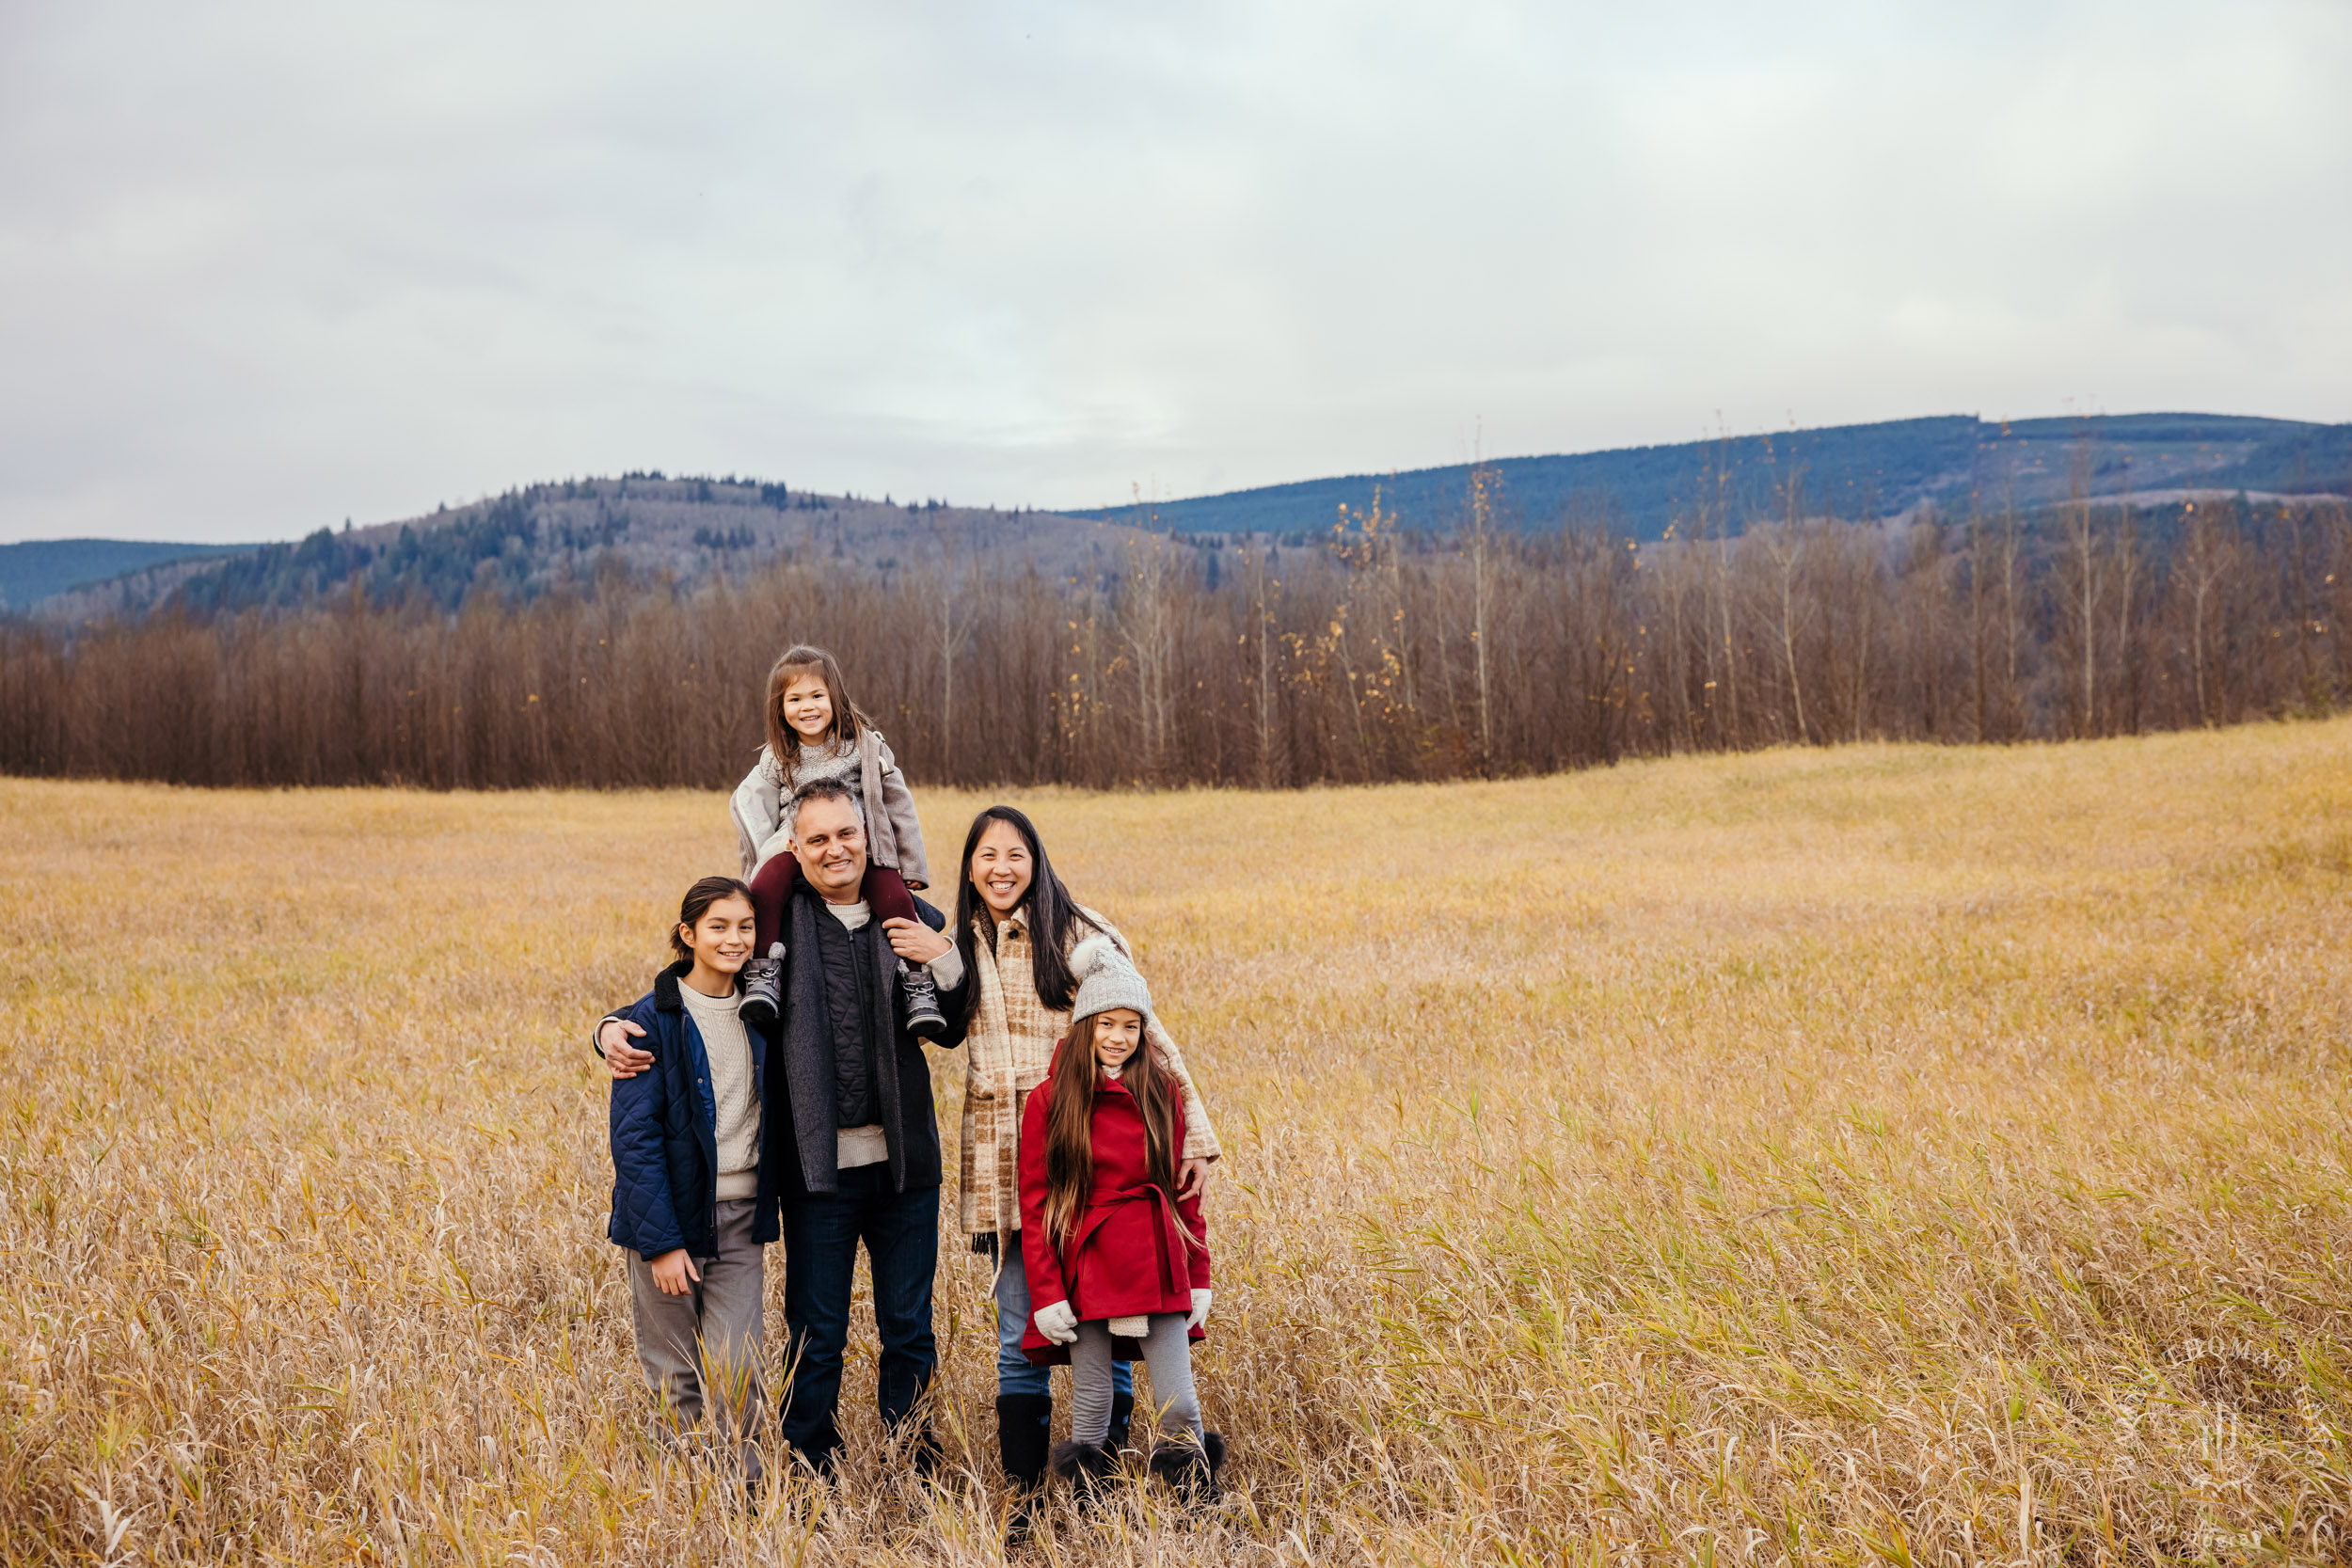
(799, 1126)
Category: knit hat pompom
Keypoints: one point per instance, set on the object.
(1106, 980)
(1090, 953)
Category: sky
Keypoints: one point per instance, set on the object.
(267, 266)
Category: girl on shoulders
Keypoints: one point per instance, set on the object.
(815, 731)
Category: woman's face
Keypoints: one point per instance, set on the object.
(722, 939)
(1116, 1032)
(1001, 868)
(808, 706)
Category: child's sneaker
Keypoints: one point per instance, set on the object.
(763, 988)
(924, 1019)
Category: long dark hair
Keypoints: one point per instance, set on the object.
(783, 741)
(1055, 922)
(1070, 1124)
(697, 902)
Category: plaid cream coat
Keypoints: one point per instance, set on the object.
(1007, 1051)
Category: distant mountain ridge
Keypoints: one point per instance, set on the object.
(539, 536)
(41, 568)
(1874, 470)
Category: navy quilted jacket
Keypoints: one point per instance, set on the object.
(665, 1139)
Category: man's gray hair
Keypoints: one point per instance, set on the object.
(820, 789)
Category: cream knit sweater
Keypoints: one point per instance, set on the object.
(730, 1052)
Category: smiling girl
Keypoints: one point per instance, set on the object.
(815, 731)
(685, 1187)
(1117, 1262)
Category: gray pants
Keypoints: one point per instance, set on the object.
(701, 1349)
(1168, 1354)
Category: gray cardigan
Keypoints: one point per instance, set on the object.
(894, 834)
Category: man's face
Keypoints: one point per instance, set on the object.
(830, 842)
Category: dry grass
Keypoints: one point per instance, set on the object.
(1921, 1154)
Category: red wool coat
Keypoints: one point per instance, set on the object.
(1134, 1251)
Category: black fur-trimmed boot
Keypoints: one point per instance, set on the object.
(1192, 1470)
(1088, 1469)
(1025, 1435)
(1123, 1413)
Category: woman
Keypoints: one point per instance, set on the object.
(1015, 928)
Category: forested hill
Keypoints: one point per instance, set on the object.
(644, 527)
(1854, 472)
(647, 527)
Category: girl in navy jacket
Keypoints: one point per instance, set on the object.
(687, 1198)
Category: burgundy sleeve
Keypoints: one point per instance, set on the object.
(770, 890)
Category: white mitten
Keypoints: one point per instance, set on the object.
(1058, 1322)
(1199, 1311)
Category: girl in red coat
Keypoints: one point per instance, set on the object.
(1118, 1264)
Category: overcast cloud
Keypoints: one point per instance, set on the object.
(264, 266)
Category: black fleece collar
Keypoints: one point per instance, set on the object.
(665, 996)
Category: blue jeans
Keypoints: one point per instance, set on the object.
(821, 1232)
(1015, 1372)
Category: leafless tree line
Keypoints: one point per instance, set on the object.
(1373, 655)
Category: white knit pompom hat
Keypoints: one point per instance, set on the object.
(1106, 980)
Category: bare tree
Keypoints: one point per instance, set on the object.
(1259, 640)
(2207, 555)
(1148, 628)
(2081, 590)
(1784, 547)
(1482, 560)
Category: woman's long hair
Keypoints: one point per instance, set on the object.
(1055, 922)
(1070, 1124)
(783, 741)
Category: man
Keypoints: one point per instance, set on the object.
(849, 1145)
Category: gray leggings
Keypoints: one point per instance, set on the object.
(1166, 1352)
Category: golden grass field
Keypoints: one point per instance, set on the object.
(1887, 1153)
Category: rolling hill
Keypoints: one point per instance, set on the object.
(1866, 470)
(652, 526)
(649, 527)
